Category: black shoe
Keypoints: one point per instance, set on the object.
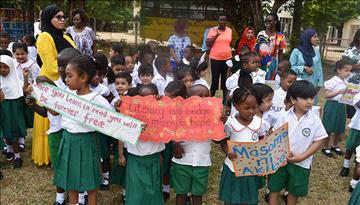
(10, 156)
(327, 152)
(337, 150)
(350, 189)
(344, 172)
(57, 203)
(22, 147)
(104, 187)
(18, 163)
(4, 151)
(267, 197)
(188, 201)
(166, 196)
(284, 197)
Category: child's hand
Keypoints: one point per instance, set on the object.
(178, 150)
(144, 127)
(223, 118)
(30, 101)
(158, 97)
(43, 79)
(294, 158)
(26, 73)
(231, 155)
(117, 105)
(28, 90)
(342, 91)
(308, 70)
(122, 160)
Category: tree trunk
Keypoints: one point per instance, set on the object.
(296, 25)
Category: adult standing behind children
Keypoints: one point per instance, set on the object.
(270, 44)
(305, 60)
(178, 42)
(50, 42)
(218, 40)
(84, 36)
(247, 38)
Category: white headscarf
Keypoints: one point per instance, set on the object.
(10, 84)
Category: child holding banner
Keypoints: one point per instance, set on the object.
(78, 144)
(242, 126)
(143, 168)
(12, 121)
(334, 118)
(306, 135)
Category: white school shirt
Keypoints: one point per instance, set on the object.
(75, 127)
(142, 148)
(335, 83)
(31, 65)
(232, 108)
(355, 120)
(135, 78)
(257, 77)
(55, 120)
(32, 53)
(196, 154)
(203, 82)
(240, 133)
(101, 89)
(161, 82)
(302, 133)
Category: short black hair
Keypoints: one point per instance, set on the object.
(83, 16)
(241, 93)
(177, 88)
(192, 48)
(288, 72)
(143, 51)
(161, 60)
(5, 52)
(84, 64)
(67, 54)
(4, 34)
(126, 76)
(102, 62)
(19, 45)
(245, 78)
(342, 63)
(118, 47)
(182, 72)
(132, 50)
(302, 89)
(146, 70)
(29, 40)
(197, 68)
(117, 60)
(150, 86)
(261, 92)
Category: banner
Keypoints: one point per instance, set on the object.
(351, 90)
(263, 157)
(91, 115)
(176, 119)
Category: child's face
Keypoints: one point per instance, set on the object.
(4, 69)
(344, 72)
(121, 85)
(112, 53)
(166, 67)
(203, 73)
(129, 63)
(188, 81)
(145, 79)
(4, 43)
(154, 48)
(20, 55)
(247, 109)
(118, 69)
(252, 65)
(148, 59)
(266, 103)
(287, 82)
(302, 104)
(73, 78)
(188, 54)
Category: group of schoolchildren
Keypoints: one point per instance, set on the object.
(81, 157)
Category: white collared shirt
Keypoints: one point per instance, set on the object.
(142, 148)
(355, 120)
(335, 83)
(101, 89)
(302, 133)
(278, 104)
(203, 82)
(196, 154)
(161, 82)
(31, 65)
(258, 76)
(240, 133)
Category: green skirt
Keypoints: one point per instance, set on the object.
(143, 180)
(104, 144)
(78, 165)
(12, 120)
(238, 190)
(334, 117)
(54, 140)
(167, 157)
(29, 116)
(355, 196)
(353, 140)
(118, 173)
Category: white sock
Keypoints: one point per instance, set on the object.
(346, 163)
(60, 197)
(353, 183)
(106, 175)
(22, 140)
(10, 148)
(17, 155)
(81, 198)
(105, 181)
(166, 188)
(124, 192)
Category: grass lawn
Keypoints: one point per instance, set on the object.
(33, 184)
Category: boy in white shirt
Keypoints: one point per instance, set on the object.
(306, 136)
(162, 78)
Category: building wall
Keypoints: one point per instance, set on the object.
(350, 27)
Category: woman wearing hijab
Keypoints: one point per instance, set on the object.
(247, 38)
(305, 60)
(50, 42)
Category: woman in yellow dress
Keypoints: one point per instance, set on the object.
(50, 42)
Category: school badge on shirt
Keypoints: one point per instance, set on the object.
(306, 132)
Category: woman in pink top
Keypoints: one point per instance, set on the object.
(218, 40)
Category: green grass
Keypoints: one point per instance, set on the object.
(33, 184)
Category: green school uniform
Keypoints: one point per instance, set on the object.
(12, 121)
(355, 196)
(353, 140)
(78, 165)
(334, 117)
(29, 116)
(118, 173)
(54, 140)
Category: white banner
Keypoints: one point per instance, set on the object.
(91, 115)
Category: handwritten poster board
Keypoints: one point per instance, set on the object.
(176, 119)
(89, 114)
(351, 91)
(263, 157)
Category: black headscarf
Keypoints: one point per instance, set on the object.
(306, 47)
(46, 15)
